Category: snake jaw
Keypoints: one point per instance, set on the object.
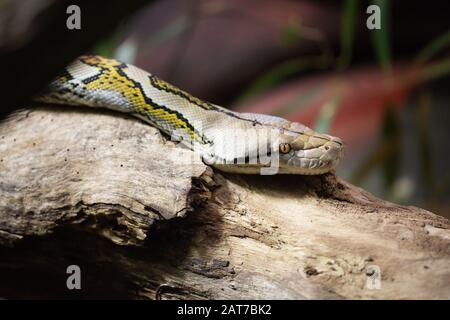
(312, 154)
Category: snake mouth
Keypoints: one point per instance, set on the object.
(318, 160)
(308, 166)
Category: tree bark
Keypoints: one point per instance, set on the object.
(146, 219)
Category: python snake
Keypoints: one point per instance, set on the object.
(230, 141)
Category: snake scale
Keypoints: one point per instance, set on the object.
(229, 141)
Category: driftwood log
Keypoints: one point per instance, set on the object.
(145, 219)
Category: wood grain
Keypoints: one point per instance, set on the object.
(147, 219)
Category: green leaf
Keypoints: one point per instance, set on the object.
(348, 19)
(107, 46)
(392, 133)
(380, 38)
(435, 70)
(326, 115)
(291, 33)
(431, 49)
(282, 72)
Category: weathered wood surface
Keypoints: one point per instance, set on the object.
(138, 213)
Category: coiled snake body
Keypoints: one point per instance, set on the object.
(227, 140)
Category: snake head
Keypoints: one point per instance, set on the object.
(277, 146)
(304, 151)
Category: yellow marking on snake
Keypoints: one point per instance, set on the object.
(112, 77)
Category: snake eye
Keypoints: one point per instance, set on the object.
(285, 148)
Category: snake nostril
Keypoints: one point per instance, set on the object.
(327, 148)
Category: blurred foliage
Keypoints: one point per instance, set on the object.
(391, 134)
(386, 154)
(434, 47)
(326, 114)
(108, 45)
(435, 70)
(170, 31)
(282, 72)
(301, 100)
(291, 33)
(380, 37)
(423, 124)
(349, 12)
